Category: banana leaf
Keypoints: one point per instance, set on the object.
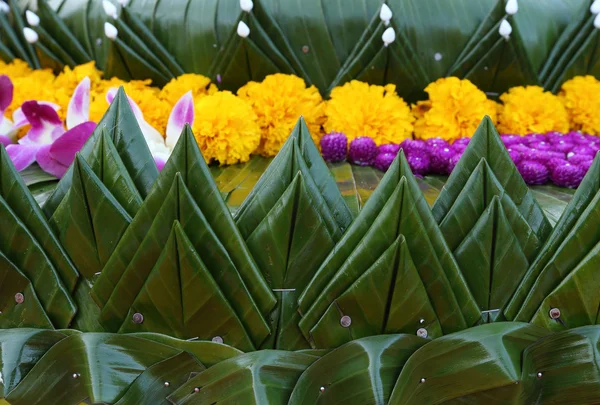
(19, 24)
(344, 178)
(208, 353)
(568, 365)
(291, 220)
(48, 58)
(89, 221)
(396, 207)
(362, 371)
(135, 62)
(264, 377)
(61, 34)
(80, 355)
(42, 191)
(478, 365)
(20, 351)
(126, 135)
(160, 380)
(387, 298)
(16, 195)
(181, 298)
(486, 144)
(20, 247)
(29, 313)
(199, 207)
(54, 48)
(572, 239)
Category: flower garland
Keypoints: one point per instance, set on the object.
(374, 119)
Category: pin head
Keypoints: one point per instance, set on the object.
(346, 321)
(75, 375)
(422, 333)
(138, 318)
(19, 298)
(554, 313)
(305, 49)
(217, 339)
(196, 390)
(167, 384)
(422, 380)
(539, 375)
(322, 389)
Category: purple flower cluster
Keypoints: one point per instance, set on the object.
(561, 158)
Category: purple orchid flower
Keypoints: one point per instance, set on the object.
(8, 128)
(161, 148)
(47, 142)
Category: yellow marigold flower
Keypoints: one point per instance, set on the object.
(454, 110)
(581, 98)
(16, 68)
(359, 109)
(37, 85)
(531, 109)
(278, 102)
(198, 84)
(226, 129)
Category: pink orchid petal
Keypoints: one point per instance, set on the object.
(63, 150)
(22, 156)
(46, 125)
(6, 93)
(48, 164)
(160, 162)
(5, 140)
(79, 105)
(182, 113)
(20, 119)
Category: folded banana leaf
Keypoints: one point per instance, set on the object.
(397, 207)
(14, 34)
(185, 192)
(160, 380)
(264, 377)
(291, 220)
(26, 314)
(181, 298)
(73, 369)
(16, 195)
(89, 221)
(562, 368)
(362, 371)
(486, 144)
(121, 126)
(20, 351)
(567, 261)
(478, 365)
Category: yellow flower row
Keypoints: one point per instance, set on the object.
(230, 128)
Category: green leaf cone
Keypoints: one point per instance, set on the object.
(486, 367)
(20, 247)
(575, 235)
(181, 298)
(486, 144)
(30, 313)
(81, 354)
(396, 207)
(14, 191)
(291, 221)
(89, 221)
(20, 351)
(123, 129)
(375, 362)
(389, 297)
(178, 205)
(264, 377)
(158, 381)
(108, 166)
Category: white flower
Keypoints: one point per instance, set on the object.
(32, 18)
(30, 35)
(505, 29)
(385, 14)
(110, 31)
(512, 7)
(243, 30)
(110, 9)
(246, 5)
(389, 36)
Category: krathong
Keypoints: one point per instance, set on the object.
(286, 203)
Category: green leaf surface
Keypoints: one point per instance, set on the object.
(362, 371)
(29, 313)
(160, 380)
(20, 351)
(396, 207)
(480, 364)
(89, 221)
(264, 377)
(16, 195)
(84, 355)
(23, 250)
(389, 297)
(170, 298)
